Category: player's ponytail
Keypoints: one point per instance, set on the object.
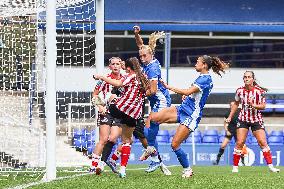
(133, 63)
(218, 66)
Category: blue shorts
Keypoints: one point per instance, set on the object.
(185, 119)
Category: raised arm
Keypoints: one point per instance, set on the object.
(138, 38)
(189, 91)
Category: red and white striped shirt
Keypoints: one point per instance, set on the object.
(248, 113)
(131, 100)
(105, 87)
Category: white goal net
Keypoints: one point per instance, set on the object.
(23, 83)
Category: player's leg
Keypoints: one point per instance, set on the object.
(96, 156)
(260, 136)
(166, 115)
(127, 132)
(116, 154)
(181, 134)
(115, 133)
(154, 119)
(139, 133)
(242, 132)
(224, 144)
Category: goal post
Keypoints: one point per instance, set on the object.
(37, 38)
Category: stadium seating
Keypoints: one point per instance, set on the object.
(221, 138)
(279, 102)
(253, 140)
(222, 133)
(197, 139)
(162, 139)
(163, 133)
(79, 132)
(209, 139)
(276, 133)
(268, 110)
(275, 140)
(197, 133)
(172, 133)
(211, 132)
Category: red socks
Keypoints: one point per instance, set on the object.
(267, 156)
(236, 156)
(125, 153)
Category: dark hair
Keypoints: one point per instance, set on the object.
(255, 83)
(216, 64)
(133, 64)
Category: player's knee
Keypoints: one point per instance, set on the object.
(240, 144)
(113, 138)
(103, 141)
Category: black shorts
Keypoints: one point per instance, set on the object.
(254, 126)
(107, 119)
(139, 129)
(125, 119)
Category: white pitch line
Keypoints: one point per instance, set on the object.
(68, 177)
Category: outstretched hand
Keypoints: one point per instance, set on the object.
(97, 77)
(228, 120)
(164, 84)
(136, 29)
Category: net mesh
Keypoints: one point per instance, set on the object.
(22, 83)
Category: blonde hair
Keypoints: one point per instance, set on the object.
(152, 42)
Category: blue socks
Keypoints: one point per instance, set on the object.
(182, 157)
(152, 133)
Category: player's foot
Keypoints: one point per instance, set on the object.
(152, 167)
(215, 163)
(100, 168)
(164, 169)
(92, 169)
(122, 172)
(274, 170)
(147, 152)
(122, 175)
(187, 173)
(235, 169)
(112, 166)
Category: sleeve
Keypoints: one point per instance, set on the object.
(127, 79)
(262, 97)
(100, 85)
(237, 96)
(201, 83)
(154, 72)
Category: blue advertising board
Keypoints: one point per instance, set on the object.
(205, 154)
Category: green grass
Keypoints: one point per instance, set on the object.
(204, 177)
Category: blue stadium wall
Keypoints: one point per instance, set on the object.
(182, 15)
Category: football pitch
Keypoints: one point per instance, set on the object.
(204, 177)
